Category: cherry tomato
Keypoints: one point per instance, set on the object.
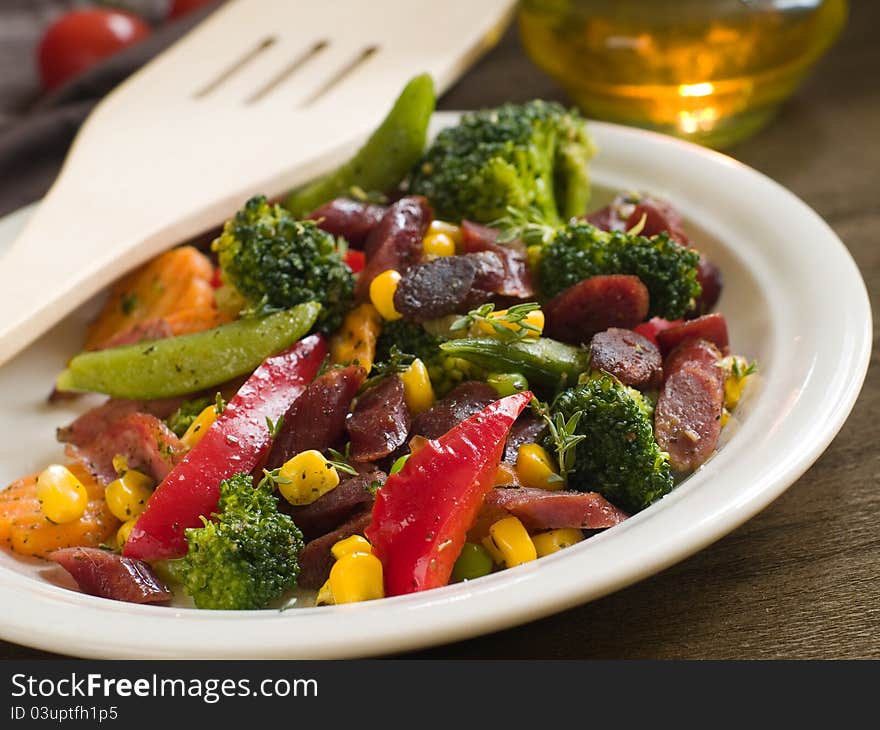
(355, 260)
(81, 38)
(179, 8)
(655, 325)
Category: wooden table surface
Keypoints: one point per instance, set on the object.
(802, 579)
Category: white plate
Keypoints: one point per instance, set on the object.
(794, 300)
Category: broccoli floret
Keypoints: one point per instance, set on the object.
(271, 260)
(619, 457)
(531, 157)
(580, 250)
(188, 411)
(410, 338)
(244, 558)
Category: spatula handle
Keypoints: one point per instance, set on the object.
(68, 251)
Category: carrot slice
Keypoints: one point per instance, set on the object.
(195, 319)
(25, 529)
(177, 280)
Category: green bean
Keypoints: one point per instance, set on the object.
(386, 157)
(542, 360)
(474, 561)
(187, 363)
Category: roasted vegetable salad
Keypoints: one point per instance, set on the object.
(434, 363)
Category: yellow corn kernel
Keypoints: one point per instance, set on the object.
(307, 476)
(733, 388)
(127, 496)
(120, 464)
(505, 475)
(438, 244)
(62, 496)
(351, 545)
(356, 577)
(534, 318)
(355, 341)
(199, 427)
(555, 540)
(382, 290)
(725, 417)
(533, 256)
(738, 370)
(535, 468)
(449, 229)
(492, 548)
(417, 389)
(511, 542)
(325, 595)
(124, 531)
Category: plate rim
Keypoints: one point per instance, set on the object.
(27, 625)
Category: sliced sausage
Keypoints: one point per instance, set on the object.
(606, 219)
(95, 421)
(517, 282)
(711, 327)
(613, 216)
(627, 210)
(316, 420)
(660, 217)
(108, 575)
(631, 358)
(700, 353)
(711, 283)
(143, 440)
(353, 220)
(460, 403)
(396, 242)
(448, 284)
(333, 508)
(380, 421)
(527, 429)
(157, 328)
(594, 305)
(687, 420)
(540, 509)
(315, 559)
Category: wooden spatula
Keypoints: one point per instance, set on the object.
(262, 96)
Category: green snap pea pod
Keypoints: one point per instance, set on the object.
(507, 383)
(386, 157)
(540, 360)
(188, 363)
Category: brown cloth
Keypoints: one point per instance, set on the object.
(33, 145)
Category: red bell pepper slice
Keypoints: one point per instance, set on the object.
(355, 260)
(654, 326)
(422, 513)
(238, 441)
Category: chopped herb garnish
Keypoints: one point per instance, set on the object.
(129, 304)
(341, 459)
(740, 371)
(509, 324)
(274, 428)
(564, 436)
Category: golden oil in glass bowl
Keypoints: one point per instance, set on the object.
(711, 71)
